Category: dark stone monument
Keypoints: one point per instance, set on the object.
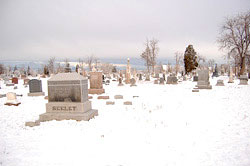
(35, 88)
(195, 78)
(172, 80)
(215, 73)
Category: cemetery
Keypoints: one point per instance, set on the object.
(125, 83)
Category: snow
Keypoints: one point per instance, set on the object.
(166, 125)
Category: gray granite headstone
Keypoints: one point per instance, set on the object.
(35, 86)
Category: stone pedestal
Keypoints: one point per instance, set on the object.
(96, 91)
(220, 83)
(67, 111)
(36, 94)
(243, 80)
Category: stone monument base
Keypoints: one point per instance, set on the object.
(96, 91)
(36, 94)
(243, 80)
(68, 116)
(66, 111)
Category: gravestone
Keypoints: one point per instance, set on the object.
(15, 80)
(11, 99)
(140, 77)
(6, 80)
(231, 79)
(68, 99)
(203, 80)
(172, 80)
(156, 81)
(220, 83)
(35, 88)
(26, 81)
(157, 75)
(195, 78)
(243, 80)
(147, 77)
(161, 81)
(164, 77)
(120, 82)
(132, 82)
(96, 80)
(215, 73)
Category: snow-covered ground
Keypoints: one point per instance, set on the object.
(167, 125)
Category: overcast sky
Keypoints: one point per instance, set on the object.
(39, 29)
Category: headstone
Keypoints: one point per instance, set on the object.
(172, 80)
(132, 81)
(243, 80)
(68, 99)
(147, 77)
(231, 79)
(11, 99)
(103, 97)
(15, 80)
(118, 97)
(110, 102)
(203, 80)
(26, 81)
(215, 73)
(195, 78)
(96, 80)
(156, 81)
(23, 76)
(164, 77)
(127, 103)
(162, 81)
(157, 75)
(220, 83)
(120, 82)
(35, 88)
(140, 77)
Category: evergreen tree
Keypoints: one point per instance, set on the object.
(190, 59)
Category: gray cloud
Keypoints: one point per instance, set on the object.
(39, 29)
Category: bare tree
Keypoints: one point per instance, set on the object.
(150, 53)
(178, 60)
(51, 65)
(154, 50)
(1, 68)
(89, 61)
(235, 37)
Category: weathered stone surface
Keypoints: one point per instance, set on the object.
(96, 80)
(96, 91)
(90, 97)
(103, 97)
(203, 80)
(120, 82)
(11, 99)
(15, 80)
(161, 81)
(243, 80)
(110, 103)
(35, 86)
(118, 97)
(36, 94)
(68, 85)
(127, 103)
(132, 81)
(32, 124)
(26, 81)
(220, 83)
(195, 90)
(10, 84)
(171, 80)
(156, 82)
(195, 78)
